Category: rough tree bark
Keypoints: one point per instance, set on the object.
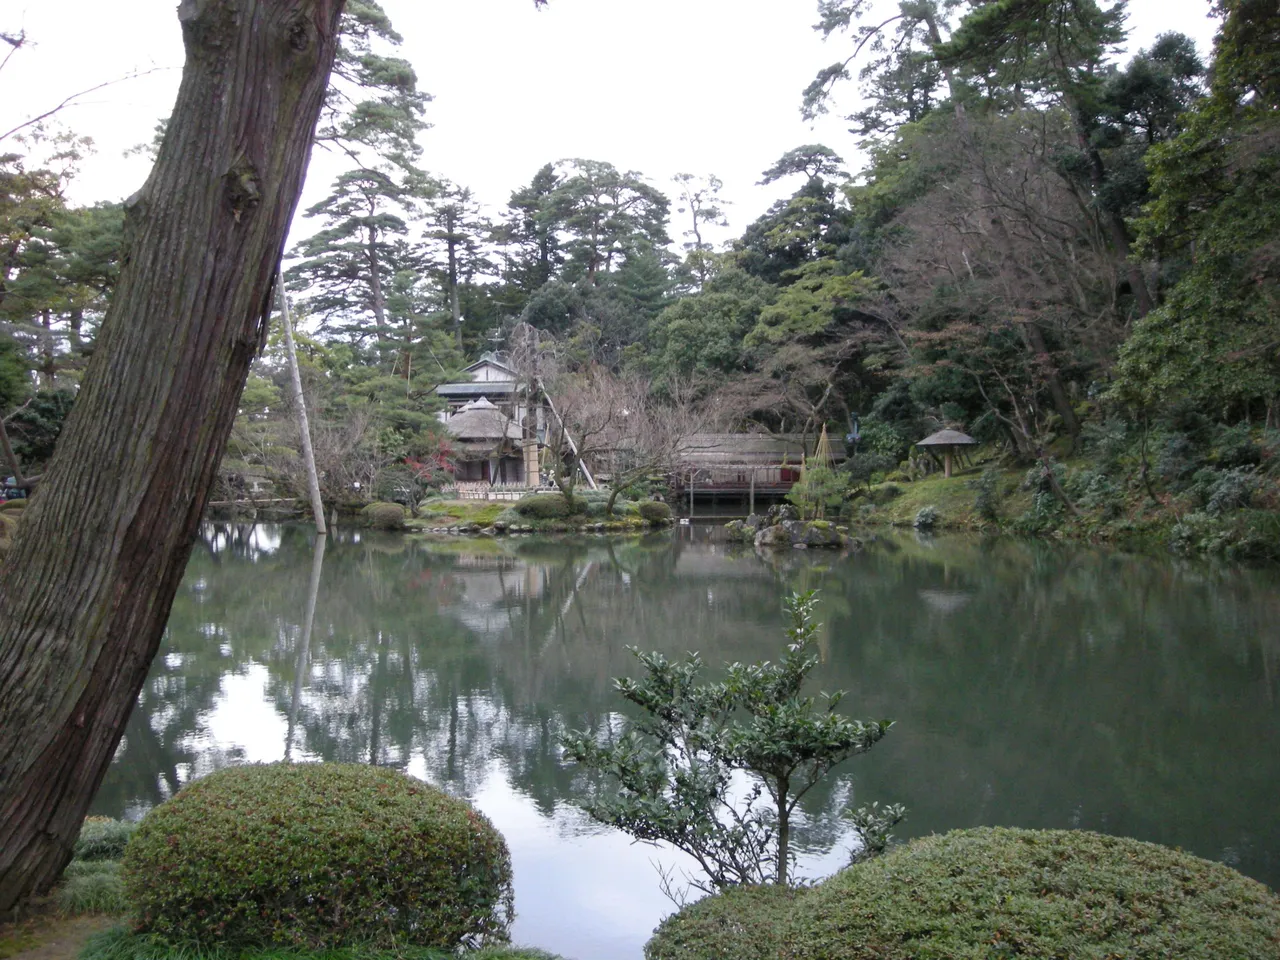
(86, 589)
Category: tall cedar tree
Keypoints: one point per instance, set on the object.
(87, 587)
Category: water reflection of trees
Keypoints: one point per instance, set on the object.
(1033, 684)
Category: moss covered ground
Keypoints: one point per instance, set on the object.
(457, 513)
(897, 503)
(1108, 512)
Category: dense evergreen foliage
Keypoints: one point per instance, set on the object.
(985, 893)
(315, 856)
(1059, 247)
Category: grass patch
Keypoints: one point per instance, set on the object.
(92, 888)
(102, 838)
(119, 943)
(457, 513)
(954, 499)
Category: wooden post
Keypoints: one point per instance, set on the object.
(752, 508)
(308, 455)
(691, 475)
(946, 463)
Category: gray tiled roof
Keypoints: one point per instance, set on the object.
(480, 388)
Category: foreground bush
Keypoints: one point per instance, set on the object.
(739, 923)
(383, 516)
(317, 856)
(990, 893)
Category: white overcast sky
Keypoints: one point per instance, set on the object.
(658, 86)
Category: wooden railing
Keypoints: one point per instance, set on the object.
(481, 490)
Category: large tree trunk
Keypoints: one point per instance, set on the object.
(86, 589)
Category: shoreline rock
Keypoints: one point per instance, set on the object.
(782, 527)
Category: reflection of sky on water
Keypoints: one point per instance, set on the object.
(611, 888)
(1033, 686)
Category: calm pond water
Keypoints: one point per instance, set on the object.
(1034, 685)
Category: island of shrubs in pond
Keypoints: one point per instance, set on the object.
(594, 511)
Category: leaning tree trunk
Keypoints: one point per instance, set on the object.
(86, 589)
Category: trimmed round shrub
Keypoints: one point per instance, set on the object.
(317, 856)
(383, 516)
(543, 506)
(995, 892)
(739, 923)
(655, 511)
(102, 838)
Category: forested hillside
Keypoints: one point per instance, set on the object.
(1062, 247)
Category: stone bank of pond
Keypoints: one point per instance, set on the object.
(1034, 685)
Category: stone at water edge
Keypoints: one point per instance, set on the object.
(809, 533)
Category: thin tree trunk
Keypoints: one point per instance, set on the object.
(1057, 393)
(86, 589)
(1114, 221)
(784, 830)
(455, 307)
(375, 289)
(11, 458)
(304, 647)
(304, 428)
(74, 324)
(1146, 466)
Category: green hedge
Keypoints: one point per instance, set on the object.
(543, 506)
(383, 516)
(316, 856)
(655, 511)
(994, 893)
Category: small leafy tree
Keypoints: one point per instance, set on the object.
(987, 494)
(675, 766)
(819, 490)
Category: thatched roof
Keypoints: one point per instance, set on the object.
(750, 449)
(481, 420)
(947, 438)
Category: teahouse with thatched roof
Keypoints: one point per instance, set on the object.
(490, 445)
(947, 443)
